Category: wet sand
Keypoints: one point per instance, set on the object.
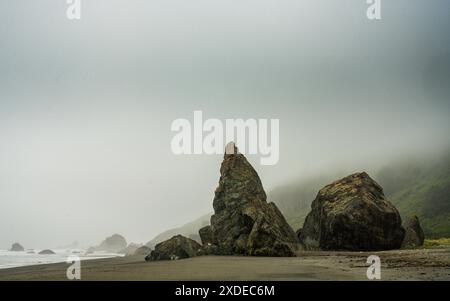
(421, 264)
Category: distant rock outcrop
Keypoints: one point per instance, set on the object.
(130, 249)
(178, 247)
(243, 222)
(352, 214)
(414, 236)
(142, 251)
(16, 247)
(46, 252)
(114, 243)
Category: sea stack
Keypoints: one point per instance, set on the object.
(16, 247)
(243, 222)
(352, 214)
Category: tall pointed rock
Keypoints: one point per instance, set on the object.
(243, 222)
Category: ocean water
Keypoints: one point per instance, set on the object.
(10, 259)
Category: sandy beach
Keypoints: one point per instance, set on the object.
(420, 264)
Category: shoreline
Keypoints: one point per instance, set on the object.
(17, 259)
(417, 264)
(14, 266)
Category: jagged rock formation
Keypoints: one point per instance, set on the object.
(352, 214)
(46, 252)
(178, 247)
(414, 236)
(243, 222)
(16, 247)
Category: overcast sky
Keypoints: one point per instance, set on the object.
(86, 106)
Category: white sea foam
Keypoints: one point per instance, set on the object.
(10, 259)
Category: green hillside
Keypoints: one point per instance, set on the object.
(421, 188)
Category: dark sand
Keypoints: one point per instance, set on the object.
(421, 264)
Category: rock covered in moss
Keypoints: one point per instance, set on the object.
(352, 214)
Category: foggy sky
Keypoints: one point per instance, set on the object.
(86, 106)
